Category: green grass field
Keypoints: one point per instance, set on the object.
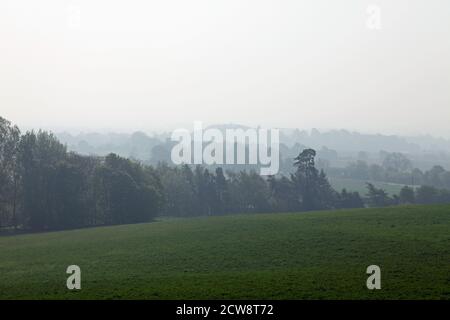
(317, 255)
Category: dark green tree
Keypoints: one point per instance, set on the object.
(407, 195)
(315, 192)
(377, 197)
(9, 175)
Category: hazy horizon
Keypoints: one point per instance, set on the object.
(74, 131)
(106, 65)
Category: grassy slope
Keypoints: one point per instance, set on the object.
(278, 256)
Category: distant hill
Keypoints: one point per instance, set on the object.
(338, 146)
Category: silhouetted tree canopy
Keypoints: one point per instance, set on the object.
(45, 187)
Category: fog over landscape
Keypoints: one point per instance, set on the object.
(155, 66)
(232, 157)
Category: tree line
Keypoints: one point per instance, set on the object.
(43, 186)
(395, 168)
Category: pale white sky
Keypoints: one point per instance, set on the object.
(153, 64)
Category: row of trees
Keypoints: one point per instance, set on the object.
(422, 195)
(197, 191)
(45, 187)
(396, 168)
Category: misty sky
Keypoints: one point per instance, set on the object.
(152, 65)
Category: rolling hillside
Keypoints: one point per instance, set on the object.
(317, 255)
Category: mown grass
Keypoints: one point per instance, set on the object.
(317, 255)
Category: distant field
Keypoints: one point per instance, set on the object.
(361, 185)
(317, 255)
